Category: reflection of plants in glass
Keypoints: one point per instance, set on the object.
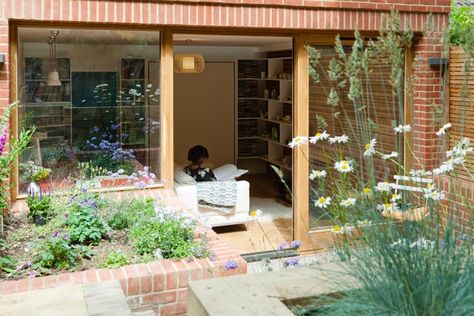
(58, 153)
(32, 172)
(108, 152)
(17, 146)
(87, 170)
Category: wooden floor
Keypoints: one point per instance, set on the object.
(263, 234)
(257, 236)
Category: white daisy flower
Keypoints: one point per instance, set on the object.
(383, 187)
(402, 128)
(339, 139)
(393, 154)
(323, 202)
(370, 148)
(395, 197)
(317, 174)
(255, 214)
(388, 207)
(343, 166)
(442, 130)
(348, 202)
(461, 149)
(420, 173)
(319, 136)
(435, 195)
(339, 230)
(365, 222)
(423, 243)
(298, 141)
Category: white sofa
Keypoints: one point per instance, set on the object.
(187, 193)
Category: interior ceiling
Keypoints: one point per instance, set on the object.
(124, 37)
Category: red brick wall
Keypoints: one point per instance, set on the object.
(284, 15)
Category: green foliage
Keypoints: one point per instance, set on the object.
(169, 233)
(17, 146)
(461, 25)
(31, 172)
(128, 212)
(39, 205)
(7, 263)
(410, 269)
(55, 253)
(87, 170)
(115, 259)
(85, 226)
(83, 220)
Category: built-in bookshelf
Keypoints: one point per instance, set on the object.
(264, 113)
(48, 107)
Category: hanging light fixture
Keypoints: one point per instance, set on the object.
(53, 75)
(188, 63)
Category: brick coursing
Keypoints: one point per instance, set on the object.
(158, 286)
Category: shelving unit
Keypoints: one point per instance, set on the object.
(264, 113)
(49, 108)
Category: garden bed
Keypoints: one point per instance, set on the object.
(86, 231)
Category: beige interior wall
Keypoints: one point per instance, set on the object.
(204, 113)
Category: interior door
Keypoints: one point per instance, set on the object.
(204, 113)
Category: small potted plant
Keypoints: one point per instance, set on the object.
(40, 207)
(33, 175)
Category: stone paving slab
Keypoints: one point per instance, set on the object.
(262, 293)
(91, 299)
(60, 301)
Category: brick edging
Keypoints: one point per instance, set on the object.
(160, 285)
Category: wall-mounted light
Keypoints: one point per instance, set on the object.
(188, 63)
(2, 59)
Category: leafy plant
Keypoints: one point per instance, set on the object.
(39, 205)
(461, 25)
(17, 146)
(55, 253)
(7, 263)
(31, 172)
(115, 259)
(129, 212)
(169, 235)
(85, 224)
(87, 170)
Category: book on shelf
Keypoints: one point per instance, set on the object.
(228, 172)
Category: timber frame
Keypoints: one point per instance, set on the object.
(301, 229)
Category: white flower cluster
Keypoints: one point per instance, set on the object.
(317, 174)
(319, 136)
(402, 128)
(370, 148)
(442, 130)
(420, 243)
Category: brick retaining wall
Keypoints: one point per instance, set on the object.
(158, 286)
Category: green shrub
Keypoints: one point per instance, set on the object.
(39, 205)
(168, 233)
(55, 253)
(115, 259)
(83, 220)
(129, 212)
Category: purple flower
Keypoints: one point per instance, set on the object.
(231, 265)
(66, 237)
(95, 129)
(292, 262)
(295, 244)
(32, 274)
(3, 140)
(66, 215)
(56, 234)
(140, 185)
(283, 246)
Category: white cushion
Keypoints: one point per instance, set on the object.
(182, 178)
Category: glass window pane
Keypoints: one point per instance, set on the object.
(374, 115)
(94, 98)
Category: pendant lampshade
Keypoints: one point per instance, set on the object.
(53, 75)
(188, 63)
